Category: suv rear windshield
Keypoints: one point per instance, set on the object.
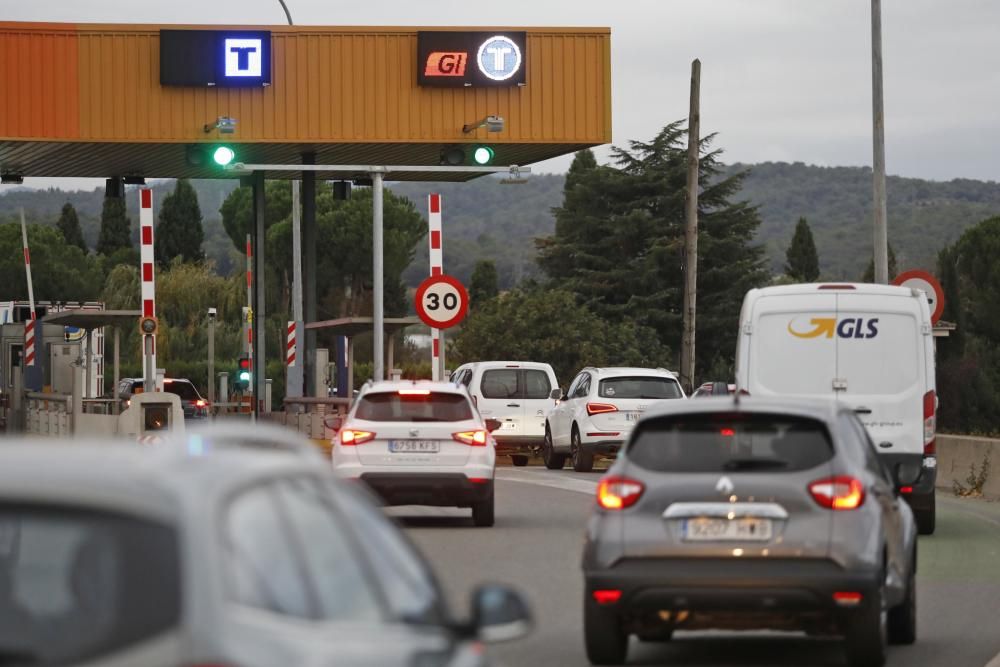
(639, 387)
(516, 383)
(731, 443)
(76, 585)
(417, 407)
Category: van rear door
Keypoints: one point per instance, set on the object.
(793, 349)
(880, 359)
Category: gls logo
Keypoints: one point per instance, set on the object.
(851, 327)
(499, 58)
(244, 57)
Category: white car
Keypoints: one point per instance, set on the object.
(419, 443)
(518, 394)
(596, 414)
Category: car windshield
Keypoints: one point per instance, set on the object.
(414, 406)
(76, 584)
(730, 442)
(639, 387)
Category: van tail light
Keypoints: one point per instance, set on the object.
(838, 493)
(349, 437)
(930, 408)
(617, 493)
(600, 408)
(474, 438)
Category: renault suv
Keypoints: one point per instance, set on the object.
(730, 514)
(419, 443)
(596, 414)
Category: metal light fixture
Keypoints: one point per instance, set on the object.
(491, 123)
(224, 124)
(11, 178)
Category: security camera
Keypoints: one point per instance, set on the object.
(212, 313)
(494, 124)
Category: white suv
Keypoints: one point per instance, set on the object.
(596, 414)
(419, 443)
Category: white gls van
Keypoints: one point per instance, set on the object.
(869, 346)
(517, 393)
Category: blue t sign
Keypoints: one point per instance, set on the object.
(244, 57)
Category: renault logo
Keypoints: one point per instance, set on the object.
(724, 486)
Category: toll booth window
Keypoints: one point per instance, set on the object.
(156, 417)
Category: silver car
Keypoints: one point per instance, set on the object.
(745, 513)
(223, 548)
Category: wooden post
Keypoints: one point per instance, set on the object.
(691, 233)
(881, 244)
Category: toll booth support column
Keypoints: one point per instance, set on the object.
(259, 372)
(308, 340)
(378, 280)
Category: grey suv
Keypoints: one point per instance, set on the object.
(735, 514)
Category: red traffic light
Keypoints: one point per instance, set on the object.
(244, 364)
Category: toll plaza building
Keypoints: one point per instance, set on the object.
(133, 102)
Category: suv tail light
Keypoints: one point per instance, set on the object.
(930, 407)
(599, 408)
(616, 493)
(201, 403)
(474, 438)
(838, 493)
(350, 437)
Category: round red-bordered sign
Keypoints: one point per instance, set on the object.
(922, 280)
(441, 302)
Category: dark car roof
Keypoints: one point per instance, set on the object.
(821, 409)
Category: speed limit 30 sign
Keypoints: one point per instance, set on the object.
(441, 302)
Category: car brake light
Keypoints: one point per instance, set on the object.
(906, 489)
(414, 392)
(474, 438)
(847, 598)
(351, 437)
(599, 408)
(930, 405)
(607, 596)
(727, 432)
(838, 493)
(201, 402)
(616, 493)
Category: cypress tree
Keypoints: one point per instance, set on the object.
(116, 231)
(483, 284)
(802, 261)
(179, 232)
(69, 225)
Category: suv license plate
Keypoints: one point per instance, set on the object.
(414, 446)
(724, 530)
(632, 416)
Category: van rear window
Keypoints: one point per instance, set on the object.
(730, 443)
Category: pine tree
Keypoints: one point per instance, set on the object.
(483, 284)
(802, 262)
(116, 231)
(869, 276)
(69, 225)
(179, 232)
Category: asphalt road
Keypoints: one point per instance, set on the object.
(535, 547)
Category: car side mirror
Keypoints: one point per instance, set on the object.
(499, 614)
(556, 394)
(333, 422)
(906, 474)
(492, 424)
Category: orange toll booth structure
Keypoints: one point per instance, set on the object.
(363, 104)
(88, 100)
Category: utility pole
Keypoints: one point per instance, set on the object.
(691, 232)
(378, 279)
(295, 382)
(881, 258)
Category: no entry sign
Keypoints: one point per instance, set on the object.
(441, 302)
(928, 284)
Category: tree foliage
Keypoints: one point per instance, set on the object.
(69, 225)
(60, 271)
(539, 324)
(869, 275)
(619, 242)
(179, 233)
(483, 285)
(116, 227)
(801, 260)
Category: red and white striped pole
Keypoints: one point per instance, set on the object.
(250, 303)
(148, 277)
(290, 344)
(29, 325)
(437, 268)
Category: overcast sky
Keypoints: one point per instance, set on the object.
(782, 80)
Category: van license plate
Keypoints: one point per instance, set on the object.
(508, 426)
(414, 446)
(705, 529)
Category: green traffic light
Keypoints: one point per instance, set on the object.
(245, 376)
(223, 155)
(483, 155)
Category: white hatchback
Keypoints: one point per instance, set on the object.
(596, 414)
(419, 443)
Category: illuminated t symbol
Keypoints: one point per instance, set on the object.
(498, 56)
(242, 56)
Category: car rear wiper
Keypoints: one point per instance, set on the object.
(754, 463)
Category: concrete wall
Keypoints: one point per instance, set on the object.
(957, 452)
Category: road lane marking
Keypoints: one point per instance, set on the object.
(548, 479)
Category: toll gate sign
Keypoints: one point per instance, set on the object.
(222, 58)
(462, 59)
